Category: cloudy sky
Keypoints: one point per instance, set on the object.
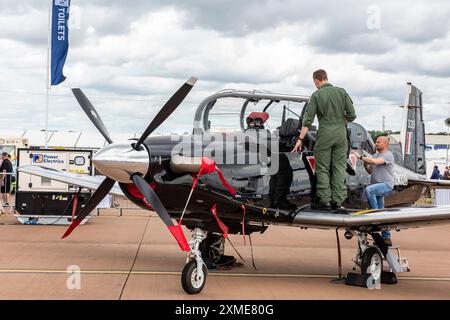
(129, 59)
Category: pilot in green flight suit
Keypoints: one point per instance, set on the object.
(334, 108)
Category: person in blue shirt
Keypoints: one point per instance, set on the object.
(436, 173)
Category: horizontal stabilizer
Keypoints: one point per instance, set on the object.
(431, 183)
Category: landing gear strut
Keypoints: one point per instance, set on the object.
(193, 277)
(213, 247)
(370, 257)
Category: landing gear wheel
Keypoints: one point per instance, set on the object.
(189, 280)
(372, 263)
(213, 247)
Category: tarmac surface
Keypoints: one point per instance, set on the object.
(135, 257)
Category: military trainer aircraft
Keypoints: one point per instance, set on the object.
(234, 174)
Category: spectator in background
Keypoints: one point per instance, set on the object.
(446, 175)
(6, 170)
(436, 173)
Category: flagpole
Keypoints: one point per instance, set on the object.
(448, 131)
(47, 84)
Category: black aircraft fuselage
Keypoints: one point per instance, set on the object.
(251, 179)
(249, 135)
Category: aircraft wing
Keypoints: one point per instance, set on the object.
(432, 183)
(415, 178)
(375, 220)
(84, 181)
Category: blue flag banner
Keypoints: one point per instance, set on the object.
(60, 39)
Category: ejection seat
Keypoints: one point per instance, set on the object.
(289, 132)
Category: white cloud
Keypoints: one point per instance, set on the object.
(130, 59)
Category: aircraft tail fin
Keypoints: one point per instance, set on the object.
(412, 133)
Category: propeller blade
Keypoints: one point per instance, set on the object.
(94, 200)
(157, 205)
(89, 109)
(152, 199)
(167, 109)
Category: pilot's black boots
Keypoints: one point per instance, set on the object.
(336, 206)
(321, 206)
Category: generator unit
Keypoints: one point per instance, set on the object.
(44, 201)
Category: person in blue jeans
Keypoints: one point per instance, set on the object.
(381, 168)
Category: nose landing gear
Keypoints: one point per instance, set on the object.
(193, 277)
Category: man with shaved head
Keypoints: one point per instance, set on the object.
(381, 167)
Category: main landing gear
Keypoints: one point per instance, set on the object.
(213, 248)
(373, 259)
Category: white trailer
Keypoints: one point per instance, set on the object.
(44, 201)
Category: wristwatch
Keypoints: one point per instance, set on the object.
(301, 139)
(361, 156)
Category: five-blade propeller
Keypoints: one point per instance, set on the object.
(141, 184)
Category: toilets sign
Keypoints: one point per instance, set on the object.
(60, 40)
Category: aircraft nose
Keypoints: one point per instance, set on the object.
(120, 160)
